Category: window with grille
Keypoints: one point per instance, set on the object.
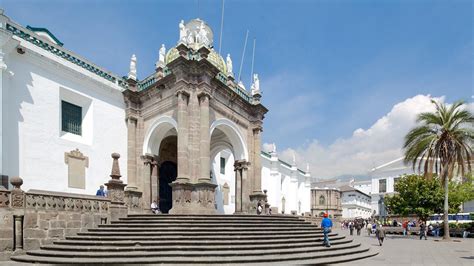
(222, 165)
(71, 118)
(382, 185)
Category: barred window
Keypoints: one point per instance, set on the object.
(222, 165)
(382, 185)
(71, 118)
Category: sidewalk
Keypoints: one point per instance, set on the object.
(409, 250)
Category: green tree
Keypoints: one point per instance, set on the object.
(425, 196)
(442, 142)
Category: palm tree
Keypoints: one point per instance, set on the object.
(442, 142)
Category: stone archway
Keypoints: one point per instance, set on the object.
(226, 138)
(160, 148)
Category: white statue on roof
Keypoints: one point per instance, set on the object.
(255, 85)
(241, 85)
(202, 34)
(274, 147)
(294, 158)
(133, 68)
(161, 58)
(229, 65)
(182, 32)
(307, 168)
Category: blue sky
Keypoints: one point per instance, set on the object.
(326, 68)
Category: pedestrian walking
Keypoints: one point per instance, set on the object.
(358, 227)
(351, 228)
(380, 234)
(369, 228)
(423, 230)
(326, 225)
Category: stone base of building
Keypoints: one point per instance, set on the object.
(193, 198)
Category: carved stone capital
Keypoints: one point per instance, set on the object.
(241, 165)
(203, 95)
(182, 92)
(257, 130)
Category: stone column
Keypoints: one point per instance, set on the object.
(257, 164)
(3, 67)
(131, 151)
(205, 143)
(183, 158)
(238, 187)
(241, 177)
(116, 194)
(154, 181)
(257, 194)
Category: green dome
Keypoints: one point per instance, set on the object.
(214, 58)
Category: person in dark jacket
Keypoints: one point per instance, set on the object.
(326, 225)
(380, 233)
(423, 230)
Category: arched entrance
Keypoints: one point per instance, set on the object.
(227, 147)
(160, 151)
(167, 174)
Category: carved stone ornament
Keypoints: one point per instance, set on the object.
(17, 194)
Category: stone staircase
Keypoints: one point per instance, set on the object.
(200, 239)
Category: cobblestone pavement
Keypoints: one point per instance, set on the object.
(409, 250)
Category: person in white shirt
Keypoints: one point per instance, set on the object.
(154, 208)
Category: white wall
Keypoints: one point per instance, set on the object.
(277, 180)
(355, 204)
(36, 146)
(221, 179)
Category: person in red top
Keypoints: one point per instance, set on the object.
(405, 225)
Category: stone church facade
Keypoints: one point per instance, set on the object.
(62, 116)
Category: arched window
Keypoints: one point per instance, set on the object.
(322, 200)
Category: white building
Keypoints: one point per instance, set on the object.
(42, 83)
(288, 188)
(355, 203)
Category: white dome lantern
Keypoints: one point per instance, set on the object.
(196, 33)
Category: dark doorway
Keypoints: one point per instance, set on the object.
(167, 173)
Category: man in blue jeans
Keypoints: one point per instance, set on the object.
(326, 225)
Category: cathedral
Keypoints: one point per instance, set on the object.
(189, 135)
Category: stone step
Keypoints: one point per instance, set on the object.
(191, 241)
(165, 231)
(260, 233)
(194, 247)
(203, 230)
(144, 258)
(235, 225)
(141, 227)
(210, 221)
(135, 237)
(215, 216)
(188, 253)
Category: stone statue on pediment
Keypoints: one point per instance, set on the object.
(133, 68)
(255, 85)
(161, 58)
(182, 32)
(229, 65)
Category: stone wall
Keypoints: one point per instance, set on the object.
(48, 216)
(51, 216)
(45, 216)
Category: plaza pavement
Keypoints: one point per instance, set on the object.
(409, 250)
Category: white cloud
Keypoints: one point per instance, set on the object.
(366, 148)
